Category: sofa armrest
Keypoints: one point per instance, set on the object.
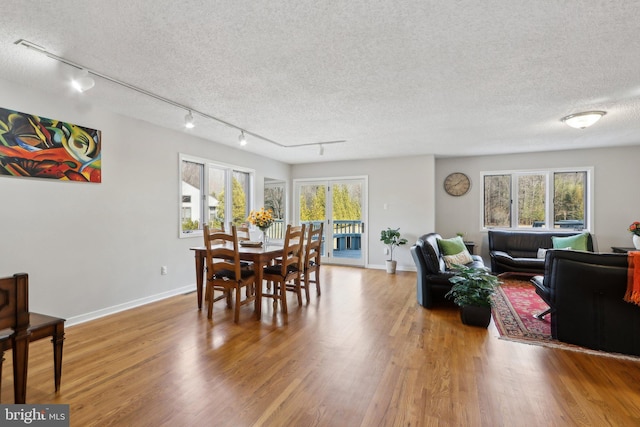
(496, 258)
(500, 254)
(541, 288)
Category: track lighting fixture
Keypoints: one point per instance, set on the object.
(321, 150)
(83, 82)
(189, 123)
(242, 139)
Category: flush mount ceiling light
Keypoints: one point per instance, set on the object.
(87, 86)
(189, 123)
(242, 139)
(583, 120)
(83, 82)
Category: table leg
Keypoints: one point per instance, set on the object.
(258, 267)
(20, 358)
(57, 340)
(199, 277)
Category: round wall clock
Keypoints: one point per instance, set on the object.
(457, 184)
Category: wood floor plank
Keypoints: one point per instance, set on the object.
(363, 354)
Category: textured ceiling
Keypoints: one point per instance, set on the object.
(393, 78)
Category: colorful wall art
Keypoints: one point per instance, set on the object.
(37, 147)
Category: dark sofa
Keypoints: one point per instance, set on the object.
(585, 292)
(433, 275)
(517, 251)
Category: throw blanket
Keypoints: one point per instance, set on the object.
(633, 279)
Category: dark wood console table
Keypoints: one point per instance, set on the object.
(43, 326)
(470, 246)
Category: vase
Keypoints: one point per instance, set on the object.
(391, 266)
(265, 236)
(636, 241)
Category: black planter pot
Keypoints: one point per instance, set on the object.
(474, 315)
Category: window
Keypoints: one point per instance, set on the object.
(546, 199)
(213, 192)
(274, 199)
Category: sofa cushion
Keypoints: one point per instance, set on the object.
(452, 246)
(577, 242)
(461, 258)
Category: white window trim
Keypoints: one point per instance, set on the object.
(589, 203)
(276, 183)
(229, 168)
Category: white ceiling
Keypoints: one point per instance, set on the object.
(393, 78)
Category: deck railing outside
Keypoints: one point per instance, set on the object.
(346, 233)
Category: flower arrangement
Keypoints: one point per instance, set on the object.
(634, 228)
(261, 219)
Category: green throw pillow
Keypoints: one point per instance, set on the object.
(577, 242)
(452, 246)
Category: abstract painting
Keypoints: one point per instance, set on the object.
(37, 147)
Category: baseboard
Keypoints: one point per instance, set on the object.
(76, 320)
(398, 267)
(128, 305)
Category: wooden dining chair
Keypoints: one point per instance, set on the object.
(207, 232)
(225, 272)
(312, 255)
(242, 230)
(243, 233)
(14, 318)
(243, 236)
(285, 275)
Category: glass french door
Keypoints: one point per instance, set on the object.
(340, 205)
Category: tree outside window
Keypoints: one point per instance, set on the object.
(212, 193)
(526, 200)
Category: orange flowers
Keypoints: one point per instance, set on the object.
(635, 228)
(262, 218)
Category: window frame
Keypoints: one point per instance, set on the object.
(272, 183)
(549, 196)
(229, 169)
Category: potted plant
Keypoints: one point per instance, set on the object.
(391, 238)
(472, 290)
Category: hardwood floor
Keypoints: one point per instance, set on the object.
(363, 354)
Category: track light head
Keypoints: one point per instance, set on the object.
(321, 150)
(242, 139)
(189, 123)
(83, 82)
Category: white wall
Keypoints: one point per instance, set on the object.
(616, 199)
(90, 249)
(405, 185)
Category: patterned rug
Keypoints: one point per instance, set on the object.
(515, 304)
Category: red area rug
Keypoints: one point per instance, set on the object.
(515, 304)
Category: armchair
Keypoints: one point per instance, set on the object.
(433, 276)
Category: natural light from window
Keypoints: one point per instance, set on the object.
(213, 193)
(549, 199)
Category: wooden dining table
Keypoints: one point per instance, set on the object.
(260, 256)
